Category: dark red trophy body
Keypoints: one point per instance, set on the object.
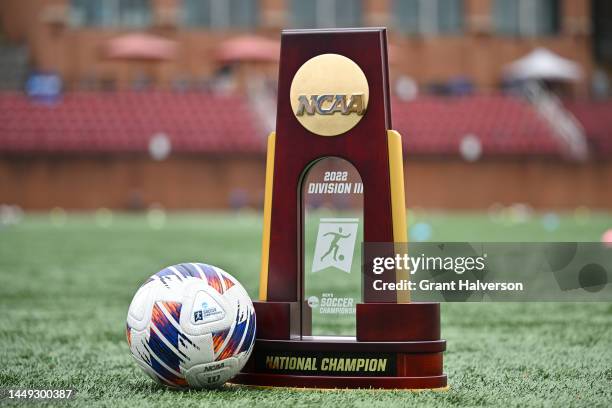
(397, 344)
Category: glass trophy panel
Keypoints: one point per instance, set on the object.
(332, 201)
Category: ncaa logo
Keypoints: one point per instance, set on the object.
(313, 302)
(329, 94)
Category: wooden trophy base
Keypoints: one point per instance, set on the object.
(397, 346)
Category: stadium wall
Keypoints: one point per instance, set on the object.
(477, 52)
(220, 182)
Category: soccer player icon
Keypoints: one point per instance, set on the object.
(333, 246)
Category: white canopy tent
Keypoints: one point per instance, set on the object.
(544, 64)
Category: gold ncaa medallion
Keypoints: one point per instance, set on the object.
(329, 94)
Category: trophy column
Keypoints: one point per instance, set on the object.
(333, 101)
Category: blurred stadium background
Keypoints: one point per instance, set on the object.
(125, 109)
(166, 104)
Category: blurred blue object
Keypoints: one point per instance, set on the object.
(44, 87)
(551, 221)
(460, 85)
(421, 231)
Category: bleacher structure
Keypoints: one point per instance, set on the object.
(199, 122)
(94, 149)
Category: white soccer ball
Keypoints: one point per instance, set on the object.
(191, 325)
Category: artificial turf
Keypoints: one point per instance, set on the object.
(66, 283)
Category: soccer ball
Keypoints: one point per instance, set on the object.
(191, 325)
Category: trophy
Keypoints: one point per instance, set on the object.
(334, 179)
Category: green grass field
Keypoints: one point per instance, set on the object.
(66, 285)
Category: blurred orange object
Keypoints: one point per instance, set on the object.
(249, 48)
(606, 238)
(140, 46)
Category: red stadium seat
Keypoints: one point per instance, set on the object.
(125, 122)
